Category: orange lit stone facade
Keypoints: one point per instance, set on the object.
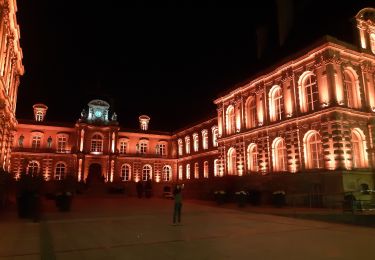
(197, 151)
(313, 113)
(95, 145)
(11, 69)
(307, 121)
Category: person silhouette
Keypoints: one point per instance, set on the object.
(177, 205)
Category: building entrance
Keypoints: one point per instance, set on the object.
(95, 174)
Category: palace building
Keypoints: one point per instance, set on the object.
(312, 116)
(306, 123)
(11, 69)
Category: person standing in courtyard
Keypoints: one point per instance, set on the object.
(177, 194)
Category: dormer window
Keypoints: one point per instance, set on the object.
(40, 111)
(143, 122)
(39, 116)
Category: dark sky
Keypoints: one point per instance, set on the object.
(168, 60)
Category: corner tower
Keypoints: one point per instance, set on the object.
(11, 69)
(366, 29)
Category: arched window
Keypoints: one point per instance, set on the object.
(180, 147)
(232, 166)
(60, 171)
(146, 173)
(205, 169)
(351, 91)
(167, 173)
(279, 155)
(230, 120)
(196, 142)
(359, 149)
(180, 172)
(313, 150)
(187, 145)
(196, 171)
(188, 171)
(215, 134)
(311, 92)
(205, 139)
(276, 103)
(216, 167)
(251, 112)
(308, 92)
(125, 172)
(97, 143)
(32, 168)
(252, 157)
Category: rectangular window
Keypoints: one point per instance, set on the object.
(61, 144)
(36, 142)
(161, 149)
(123, 147)
(96, 146)
(143, 148)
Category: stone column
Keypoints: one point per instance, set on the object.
(240, 156)
(371, 143)
(264, 155)
(329, 76)
(341, 141)
(292, 148)
(368, 70)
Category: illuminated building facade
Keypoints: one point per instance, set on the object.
(11, 69)
(310, 118)
(312, 114)
(96, 147)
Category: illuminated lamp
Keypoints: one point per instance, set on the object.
(373, 109)
(324, 104)
(289, 115)
(260, 123)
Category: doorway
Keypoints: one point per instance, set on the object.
(95, 174)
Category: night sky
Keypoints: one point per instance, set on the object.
(168, 60)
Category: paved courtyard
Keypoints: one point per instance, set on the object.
(130, 228)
